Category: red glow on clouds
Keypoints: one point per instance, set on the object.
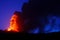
(14, 24)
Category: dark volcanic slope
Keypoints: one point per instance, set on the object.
(13, 35)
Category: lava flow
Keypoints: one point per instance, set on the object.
(15, 23)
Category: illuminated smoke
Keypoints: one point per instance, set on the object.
(15, 24)
(53, 25)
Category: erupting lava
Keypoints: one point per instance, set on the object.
(14, 24)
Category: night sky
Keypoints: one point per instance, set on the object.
(7, 8)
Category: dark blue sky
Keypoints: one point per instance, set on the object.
(7, 8)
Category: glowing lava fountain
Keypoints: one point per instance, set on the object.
(15, 23)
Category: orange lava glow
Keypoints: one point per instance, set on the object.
(13, 24)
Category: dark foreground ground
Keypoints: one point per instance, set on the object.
(12, 35)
